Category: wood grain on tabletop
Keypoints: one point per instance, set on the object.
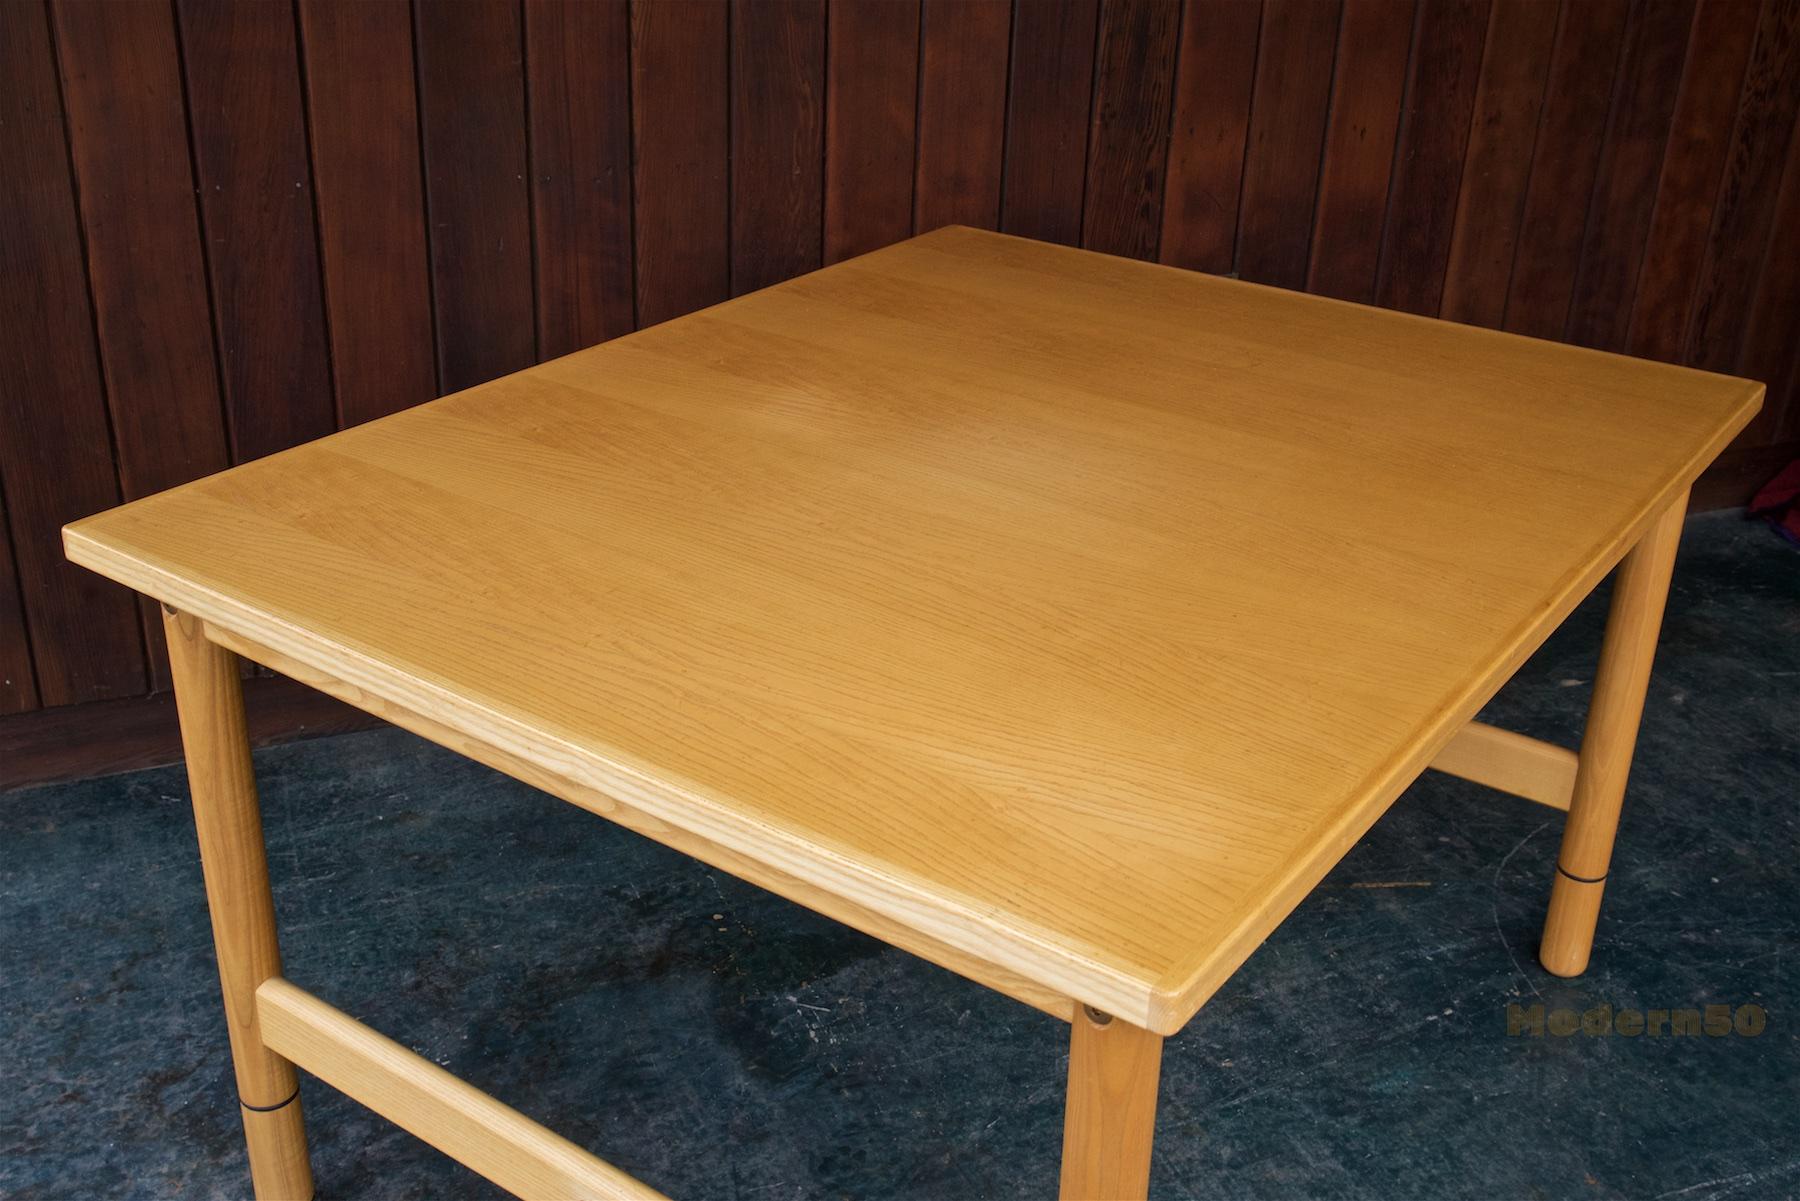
(1077, 612)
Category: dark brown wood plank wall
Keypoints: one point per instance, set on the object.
(963, 56)
(362, 98)
(1215, 71)
(248, 126)
(146, 266)
(1688, 186)
(1771, 351)
(56, 456)
(680, 112)
(1047, 119)
(1584, 66)
(871, 124)
(777, 140)
(1128, 143)
(228, 228)
(18, 676)
(1737, 249)
(471, 58)
(578, 85)
(1286, 140)
(1428, 169)
(1631, 155)
(1490, 202)
(1374, 42)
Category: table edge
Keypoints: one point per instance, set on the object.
(1182, 991)
(1048, 968)
(1044, 966)
(693, 845)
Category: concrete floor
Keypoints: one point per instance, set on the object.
(721, 1043)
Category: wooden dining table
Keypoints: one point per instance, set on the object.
(1061, 619)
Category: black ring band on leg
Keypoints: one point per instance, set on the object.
(271, 1108)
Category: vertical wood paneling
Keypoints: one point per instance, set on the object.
(679, 64)
(578, 76)
(1434, 137)
(56, 462)
(777, 130)
(1047, 119)
(962, 112)
(871, 102)
(1508, 100)
(248, 126)
(1582, 70)
(1374, 43)
(1630, 160)
(1128, 147)
(1287, 135)
(361, 100)
(269, 207)
(18, 680)
(1688, 184)
(1741, 288)
(1738, 243)
(1771, 350)
(1214, 74)
(1784, 388)
(472, 118)
(122, 88)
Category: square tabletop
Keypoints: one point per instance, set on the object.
(1074, 612)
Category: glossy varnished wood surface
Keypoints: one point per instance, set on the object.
(1075, 612)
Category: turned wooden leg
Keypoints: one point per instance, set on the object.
(1111, 1110)
(210, 702)
(1640, 590)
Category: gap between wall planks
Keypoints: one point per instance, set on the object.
(227, 231)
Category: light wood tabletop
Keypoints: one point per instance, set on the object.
(1062, 617)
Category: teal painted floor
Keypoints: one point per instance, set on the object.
(721, 1043)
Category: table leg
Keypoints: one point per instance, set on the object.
(1110, 1115)
(1640, 590)
(210, 702)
